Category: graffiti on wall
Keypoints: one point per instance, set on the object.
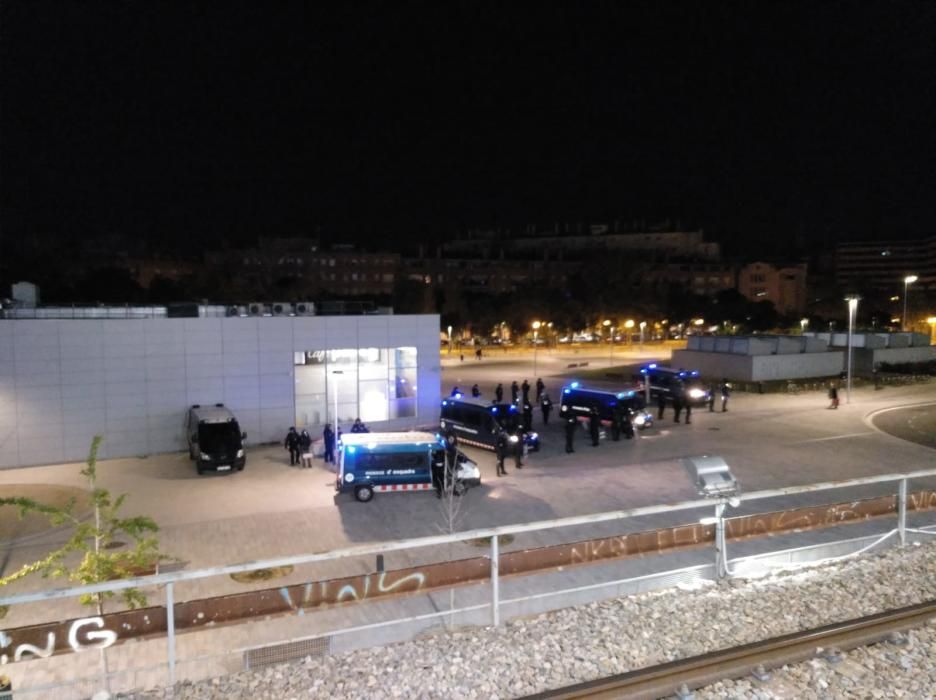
(83, 635)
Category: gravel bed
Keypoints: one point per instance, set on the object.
(590, 641)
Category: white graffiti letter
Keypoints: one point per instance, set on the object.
(96, 639)
(36, 651)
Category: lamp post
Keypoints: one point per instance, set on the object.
(803, 324)
(607, 324)
(852, 312)
(336, 372)
(536, 327)
(629, 325)
(450, 339)
(643, 326)
(932, 324)
(908, 280)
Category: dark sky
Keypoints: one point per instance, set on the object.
(753, 120)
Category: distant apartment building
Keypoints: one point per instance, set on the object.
(303, 267)
(784, 285)
(883, 265)
(490, 276)
(581, 240)
(702, 278)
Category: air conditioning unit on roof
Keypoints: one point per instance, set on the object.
(282, 308)
(305, 308)
(255, 309)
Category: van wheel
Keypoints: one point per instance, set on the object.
(241, 467)
(363, 493)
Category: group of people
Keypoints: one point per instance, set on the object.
(720, 391)
(519, 397)
(300, 443)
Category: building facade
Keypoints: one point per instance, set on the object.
(883, 265)
(785, 286)
(132, 380)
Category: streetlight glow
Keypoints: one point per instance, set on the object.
(536, 327)
(908, 280)
(852, 312)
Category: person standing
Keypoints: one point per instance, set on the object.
(677, 406)
(527, 415)
(540, 388)
(833, 395)
(500, 451)
(455, 392)
(570, 434)
(546, 407)
(626, 425)
(525, 388)
(594, 427)
(292, 444)
(475, 391)
(688, 412)
(711, 397)
(725, 390)
(328, 437)
(518, 449)
(661, 404)
(499, 392)
(305, 447)
(514, 392)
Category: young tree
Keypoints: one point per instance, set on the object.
(85, 558)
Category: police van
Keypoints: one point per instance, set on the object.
(215, 440)
(370, 463)
(670, 383)
(612, 407)
(480, 423)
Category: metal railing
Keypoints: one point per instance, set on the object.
(721, 563)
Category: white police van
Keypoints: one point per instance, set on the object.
(370, 463)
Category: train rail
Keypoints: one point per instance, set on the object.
(667, 679)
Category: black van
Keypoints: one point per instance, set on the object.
(612, 407)
(668, 382)
(478, 423)
(215, 439)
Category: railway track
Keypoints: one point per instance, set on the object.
(667, 679)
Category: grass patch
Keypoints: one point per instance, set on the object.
(486, 541)
(262, 574)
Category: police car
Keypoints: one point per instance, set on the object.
(480, 423)
(670, 383)
(612, 407)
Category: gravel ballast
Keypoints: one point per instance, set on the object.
(590, 641)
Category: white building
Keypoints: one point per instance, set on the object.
(62, 381)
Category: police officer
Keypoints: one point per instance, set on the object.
(305, 447)
(526, 390)
(500, 451)
(455, 392)
(518, 449)
(499, 393)
(475, 391)
(451, 460)
(527, 414)
(546, 407)
(725, 393)
(540, 388)
(570, 433)
(292, 444)
(677, 406)
(711, 397)
(661, 404)
(514, 392)
(328, 437)
(626, 425)
(688, 412)
(594, 427)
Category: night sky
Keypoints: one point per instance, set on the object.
(760, 122)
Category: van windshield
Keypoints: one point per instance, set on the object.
(508, 420)
(219, 437)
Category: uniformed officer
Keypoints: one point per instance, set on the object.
(500, 451)
(499, 393)
(626, 425)
(711, 397)
(527, 415)
(525, 387)
(514, 391)
(546, 406)
(677, 405)
(518, 449)
(661, 404)
(725, 393)
(475, 391)
(594, 427)
(540, 388)
(570, 433)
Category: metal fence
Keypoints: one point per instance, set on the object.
(157, 660)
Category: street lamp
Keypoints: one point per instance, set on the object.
(607, 324)
(336, 372)
(450, 339)
(852, 312)
(629, 325)
(908, 280)
(536, 327)
(932, 324)
(804, 322)
(643, 326)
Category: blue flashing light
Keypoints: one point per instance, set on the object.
(445, 403)
(566, 391)
(652, 365)
(643, 370)
(494, 410)
(351, 449)
(574, 385)
(458, 396)
(625, 394)
(513, 408)
(695, 373)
